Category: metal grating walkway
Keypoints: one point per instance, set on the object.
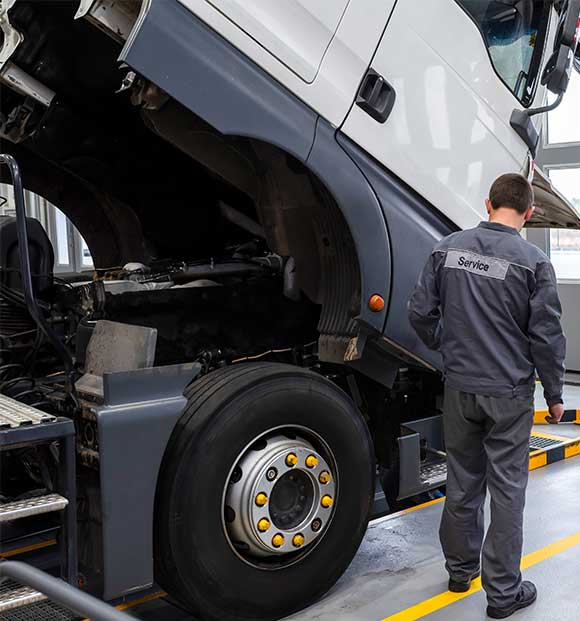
(538, 443)
(42, 611)
(14, 595)
(14, 414)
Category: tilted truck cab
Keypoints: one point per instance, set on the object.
(259, 184)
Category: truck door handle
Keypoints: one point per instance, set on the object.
(376, 96)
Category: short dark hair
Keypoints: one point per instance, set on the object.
(512, 190)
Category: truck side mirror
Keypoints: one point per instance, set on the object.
(556, 74)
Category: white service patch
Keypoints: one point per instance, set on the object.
(477, 264)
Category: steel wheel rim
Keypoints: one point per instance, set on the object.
(249, 477)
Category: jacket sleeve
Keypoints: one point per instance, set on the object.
(547, 340)
(424, 305)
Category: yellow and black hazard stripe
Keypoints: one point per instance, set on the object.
(570, 416)
(547, 449)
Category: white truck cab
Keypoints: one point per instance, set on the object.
(456, 85)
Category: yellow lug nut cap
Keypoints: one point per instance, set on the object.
(278, 541)
(261, 499)
(312, 461)
(291, 460)
(324, 477)
(327, 502)
(263, 525)
(298, 541)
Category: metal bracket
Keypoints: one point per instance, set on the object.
(114, 17)
(12, 38)
(84, 8)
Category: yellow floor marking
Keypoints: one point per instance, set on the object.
(31, 548)
(445, 599)
(138, 602)
(143, 600)
(392, 516)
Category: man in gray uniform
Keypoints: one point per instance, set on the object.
(488, 300)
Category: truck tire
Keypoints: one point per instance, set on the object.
(261, 442)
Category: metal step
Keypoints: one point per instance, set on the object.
(14, 414)
(14, 596)
(433, 475)
(18, 509)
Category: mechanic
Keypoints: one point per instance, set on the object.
(488, 301)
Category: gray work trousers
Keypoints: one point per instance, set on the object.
(487, 444)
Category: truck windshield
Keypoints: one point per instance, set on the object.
(515, 33)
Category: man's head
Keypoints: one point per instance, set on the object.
(511, 200)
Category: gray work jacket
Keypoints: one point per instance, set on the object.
(488, 300)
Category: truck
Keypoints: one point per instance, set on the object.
(259, 184)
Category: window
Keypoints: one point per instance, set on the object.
(71, 253)
(515, 33)
(565, 244)
(564, 122)
(62, 239)
(86, 258)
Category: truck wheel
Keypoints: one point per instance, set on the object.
(264, 493)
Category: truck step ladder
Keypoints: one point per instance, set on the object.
(43, 610)
(18, 509)
(29, 594)
(23, 426)
(14, 596)
(433, 475)
(14, 414)
(423, 465)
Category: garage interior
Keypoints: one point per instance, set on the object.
(213, 213)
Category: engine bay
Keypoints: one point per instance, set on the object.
(217, 310)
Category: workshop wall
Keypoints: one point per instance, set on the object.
(570, 297)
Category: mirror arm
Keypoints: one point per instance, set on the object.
(521, 122)
(533, 111)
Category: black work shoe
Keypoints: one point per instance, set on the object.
(526, 597)
(461, 586)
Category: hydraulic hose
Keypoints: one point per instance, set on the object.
(26, 274)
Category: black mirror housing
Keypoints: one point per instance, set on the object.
(556, 75)
(524, 127)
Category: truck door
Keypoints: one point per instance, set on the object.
(297, 32)
(458, 69)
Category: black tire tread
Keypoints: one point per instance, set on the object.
(206, 396)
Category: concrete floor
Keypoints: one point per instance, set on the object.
(400, 564)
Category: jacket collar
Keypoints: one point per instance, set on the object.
(497, 226)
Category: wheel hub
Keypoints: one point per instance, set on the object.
(279, 498)
(292, 497)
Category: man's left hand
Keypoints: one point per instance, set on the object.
(556, 412)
